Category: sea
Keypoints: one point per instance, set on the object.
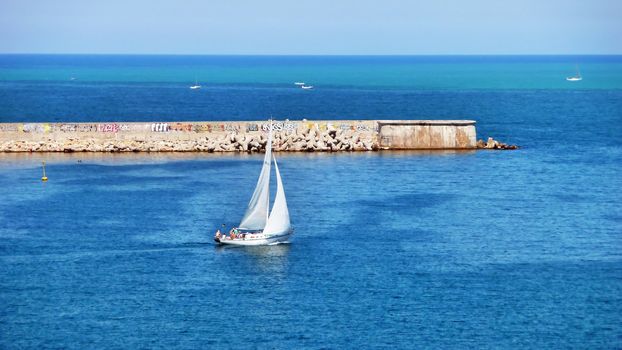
(402, 250)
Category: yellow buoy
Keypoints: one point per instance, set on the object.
(44, 178)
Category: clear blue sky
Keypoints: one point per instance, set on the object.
(312, 26)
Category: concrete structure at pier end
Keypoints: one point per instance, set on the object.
(242, 136)
(426, 134)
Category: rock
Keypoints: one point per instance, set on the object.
(494, 144)
(490, 144)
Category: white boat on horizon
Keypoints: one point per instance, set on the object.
(307, 87)
(576, 77)
(196, 85)
(299, 83)
(259, 226)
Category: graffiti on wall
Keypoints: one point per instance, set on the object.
(73, 127)
(8, 128)
(217, 127)
(280, 126)
(290, 126)
(181, 127)
(362, 127)
(35, 128)
(201, 128)
(66, 127)
(111, 127)
(86, 127)
(232, 127)
(252, 127)
(160, 127)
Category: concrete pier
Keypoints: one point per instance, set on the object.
(246, 136)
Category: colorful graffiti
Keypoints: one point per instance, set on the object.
(181, 127)
(201, 128)
(217, 127)
(279, 126)
(108, 127)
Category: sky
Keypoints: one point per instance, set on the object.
(314, 27)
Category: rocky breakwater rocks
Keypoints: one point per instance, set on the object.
(301, 140)
(307, 140)
(330, 140)
(494, 144)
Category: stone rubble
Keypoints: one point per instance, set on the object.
(494, 144)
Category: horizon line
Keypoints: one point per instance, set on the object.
(307, 55)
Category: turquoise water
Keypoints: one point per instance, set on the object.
(405, 250)
(396, 72)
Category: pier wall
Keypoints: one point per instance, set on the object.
(304, 135)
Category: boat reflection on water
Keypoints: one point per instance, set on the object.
(267, 258)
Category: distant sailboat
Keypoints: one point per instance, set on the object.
(196, 85)
(576, 77)
(258, 227)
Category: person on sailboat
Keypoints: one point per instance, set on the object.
(219, 233)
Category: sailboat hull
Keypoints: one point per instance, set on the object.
(256, 239)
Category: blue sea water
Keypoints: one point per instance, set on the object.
(484, 249)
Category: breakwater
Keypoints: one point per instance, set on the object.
(303, 135)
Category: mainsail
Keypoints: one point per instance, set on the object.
(256, 214)
(278, 222)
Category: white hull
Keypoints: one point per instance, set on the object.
(574, 78)
(256, 239)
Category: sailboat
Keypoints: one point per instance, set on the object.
(576, 77)
(259, 226)
(196, 85)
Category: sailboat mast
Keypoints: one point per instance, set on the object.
(269, 144)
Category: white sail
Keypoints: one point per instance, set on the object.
(256, 214)
(278, 222)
